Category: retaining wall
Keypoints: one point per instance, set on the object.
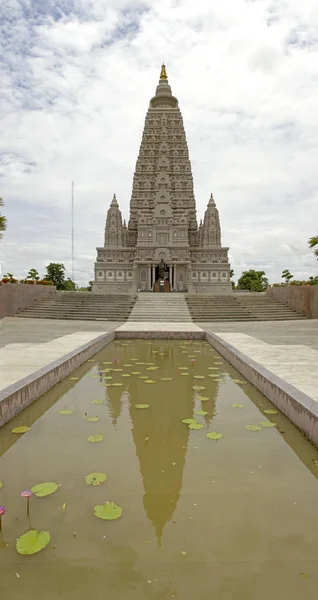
(303, 298)
(18, 296)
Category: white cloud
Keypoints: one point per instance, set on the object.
(77, 77)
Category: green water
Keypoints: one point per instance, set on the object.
(230, 519)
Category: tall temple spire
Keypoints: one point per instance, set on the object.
(114, 225)
(211, 233)
(163, 74)
(162, 224)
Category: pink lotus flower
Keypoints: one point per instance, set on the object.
(193, 360)
(115, 360)
(26, 494)
(3, 510)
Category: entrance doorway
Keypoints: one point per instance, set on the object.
(161, 283)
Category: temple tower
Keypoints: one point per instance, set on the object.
(162, 227)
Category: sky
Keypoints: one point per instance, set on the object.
(76, 79)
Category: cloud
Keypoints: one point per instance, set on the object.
(77, 76)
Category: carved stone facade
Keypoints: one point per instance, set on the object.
(162, 226)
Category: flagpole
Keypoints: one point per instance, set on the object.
(72, 230)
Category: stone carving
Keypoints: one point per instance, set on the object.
(162, 219)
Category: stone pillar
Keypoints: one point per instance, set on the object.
(149, 277)
(153, 274)
(134, 280)
(170, 276)
(175, 280)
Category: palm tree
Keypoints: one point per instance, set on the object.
(3, 220)
(313, 242)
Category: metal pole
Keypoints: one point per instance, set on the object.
(72, 230)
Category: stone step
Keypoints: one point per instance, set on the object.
(160, 307)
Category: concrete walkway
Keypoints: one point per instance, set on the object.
(20, 360)
(33, 331)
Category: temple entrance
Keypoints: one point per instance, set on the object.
(162, 283)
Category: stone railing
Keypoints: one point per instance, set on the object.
(18, 296)
(303, 298)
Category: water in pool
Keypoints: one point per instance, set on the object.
(233, 518)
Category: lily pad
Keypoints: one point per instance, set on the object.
(65, 411)
(201, 413)
(267, 424)
(166, 378)
(198, 388)
(214, 375)
(183, 368)
(238, 405)
(198, 377)
(1, 485)
(117, 370)
(32, 542)
(149, 381)
(95, 478)
(128, 365)
(108, 511)
(213, 368)
(108, 377)
(97, 401)
(188, 421)
(126, 375)
(107, 363)
(93, 419)
(136, 372)
(21, 429)
(203, 398)
(73, 378)
(214, 435)
(195, 426)
(142, 405)
(140, 363)
(253, 428)
(117, 384)
(239, 381)
(184, 373)
(95, 438)
(152, 368)
(44, 489)
(143, 377)
(270, 411)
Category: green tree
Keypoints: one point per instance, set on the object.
(313, 243)
(254, 281)
(33, 274)
(3, 219)
(68, 285)
(287, 276)
(231, 277)
(313, 280)
(55, 272)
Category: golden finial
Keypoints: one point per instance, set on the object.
(163, 74)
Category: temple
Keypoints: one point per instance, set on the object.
(162, 248)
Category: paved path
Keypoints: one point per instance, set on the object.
(20, 360)
(34, 331)
(303, 332)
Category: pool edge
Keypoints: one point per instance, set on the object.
(300, 409)
(17, 396)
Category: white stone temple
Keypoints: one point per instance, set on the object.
(162, 248)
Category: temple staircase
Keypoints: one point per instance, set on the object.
(151, 307)
(82, 306)
(239, 307)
